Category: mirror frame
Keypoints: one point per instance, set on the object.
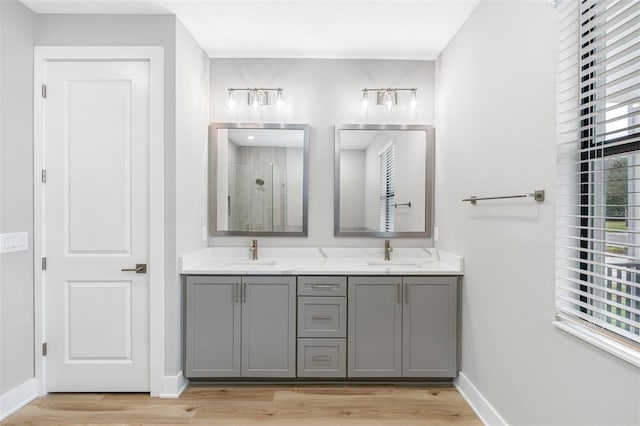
(213, 179)
(429, 180)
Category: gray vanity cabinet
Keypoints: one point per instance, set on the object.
(268, 326)
(374, 330)
(430, 327)
(213, 313)
(402, 327)
(322, 327)
(240, 326)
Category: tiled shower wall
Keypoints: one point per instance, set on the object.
(257, 188)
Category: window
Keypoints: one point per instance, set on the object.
(598, 265)
(387, 187)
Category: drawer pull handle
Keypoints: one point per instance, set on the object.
(321, 358)
(321, 317)
(322, 286)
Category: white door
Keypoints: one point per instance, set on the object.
(96, 141)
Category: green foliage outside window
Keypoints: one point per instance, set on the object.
(617, 187)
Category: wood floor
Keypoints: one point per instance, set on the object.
(250, 405)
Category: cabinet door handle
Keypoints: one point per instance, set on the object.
(322, 286)
(321, 317)
(236, 292)
(398, 293)
(244, 292)
(321, 358)
(406, 293)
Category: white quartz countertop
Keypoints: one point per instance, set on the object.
(320, 261)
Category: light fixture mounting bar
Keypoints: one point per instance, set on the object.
(250, 89)
(388, 96)
(391, 89)
(257, 96)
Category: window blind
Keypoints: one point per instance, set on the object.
(598, 182)
(387, 187)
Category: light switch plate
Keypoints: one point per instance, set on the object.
(436, 234)
(14, 242)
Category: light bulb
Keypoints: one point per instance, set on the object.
(365, 99)
(279, 99)
(414, 101)
(255, 99)
(389, 99)
(230, 102)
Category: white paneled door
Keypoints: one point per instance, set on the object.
(96, 225)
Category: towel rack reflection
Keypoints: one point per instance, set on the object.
(536, 195)
(396, 205)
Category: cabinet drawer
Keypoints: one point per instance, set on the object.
(322, 286)
(322, 317)
(321, 358)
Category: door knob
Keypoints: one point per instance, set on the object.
(141, 268)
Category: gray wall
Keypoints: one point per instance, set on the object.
(192, 116)
(495, 121)
(135, 30)
(321, 92)
(352, 185)
(17, 34)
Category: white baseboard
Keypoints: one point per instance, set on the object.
(483, 409)
(17, 398)
(173, 386)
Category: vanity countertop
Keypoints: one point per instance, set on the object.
(320, 261)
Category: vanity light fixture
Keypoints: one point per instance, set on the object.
(257, 96)
(389, 97)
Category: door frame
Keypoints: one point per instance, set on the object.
(154, 55)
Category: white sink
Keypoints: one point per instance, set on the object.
(393, 263)
(244, 264)
(299, 264)
(396, 267)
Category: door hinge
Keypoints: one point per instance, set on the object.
(44, 263)
(44, 176)
(44, 91)
(44, 349)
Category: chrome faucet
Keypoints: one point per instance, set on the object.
(254, 249)
(387, 249)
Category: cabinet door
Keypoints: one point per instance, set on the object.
(268, 326)
(430, 326)
(212, 308)
(374, 327)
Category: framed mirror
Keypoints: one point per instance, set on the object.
(258, 179)
(384, 180)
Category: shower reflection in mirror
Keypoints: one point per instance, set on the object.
(260, 179)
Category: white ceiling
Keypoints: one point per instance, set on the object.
(356, 29)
